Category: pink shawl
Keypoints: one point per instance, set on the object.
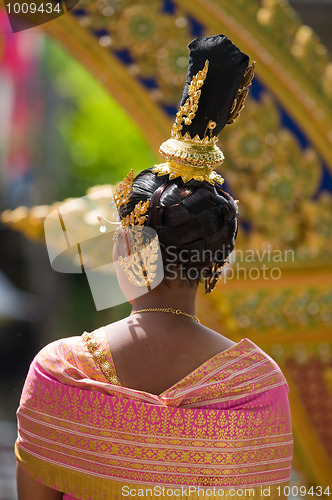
(224, 427)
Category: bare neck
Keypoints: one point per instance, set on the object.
(178, 297)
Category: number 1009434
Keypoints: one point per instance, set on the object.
(32, 8)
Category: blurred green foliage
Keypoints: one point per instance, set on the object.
(98, 142)
(88, 140)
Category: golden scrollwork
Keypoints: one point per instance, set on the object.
(187, 112)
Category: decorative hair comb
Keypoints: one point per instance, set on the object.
(121, 197)
(122, 194)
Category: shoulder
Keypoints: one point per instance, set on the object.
(67, 360)
(64, 362)
(63, 350)
(215, 339)
(265, 371)
(250, 368)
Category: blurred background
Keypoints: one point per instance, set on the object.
(90, 95)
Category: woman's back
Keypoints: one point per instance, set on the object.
(225, 425)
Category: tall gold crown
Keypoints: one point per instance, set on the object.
(194, 157)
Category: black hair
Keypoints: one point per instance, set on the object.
(192, 218)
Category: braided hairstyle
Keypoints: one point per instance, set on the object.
(196, 225)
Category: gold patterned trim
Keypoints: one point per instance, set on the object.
(190, 161)
(84, 485)
(101, 359)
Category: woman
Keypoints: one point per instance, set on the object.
(158, 400)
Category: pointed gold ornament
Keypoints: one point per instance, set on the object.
(122, 195)
(124, 189)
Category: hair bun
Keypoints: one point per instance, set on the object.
(193, 216)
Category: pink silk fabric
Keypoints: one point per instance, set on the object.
(225, 424)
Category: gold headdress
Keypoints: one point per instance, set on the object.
(215, 96)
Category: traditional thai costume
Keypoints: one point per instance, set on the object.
(225, 426)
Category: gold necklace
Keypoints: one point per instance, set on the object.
(167, 310)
